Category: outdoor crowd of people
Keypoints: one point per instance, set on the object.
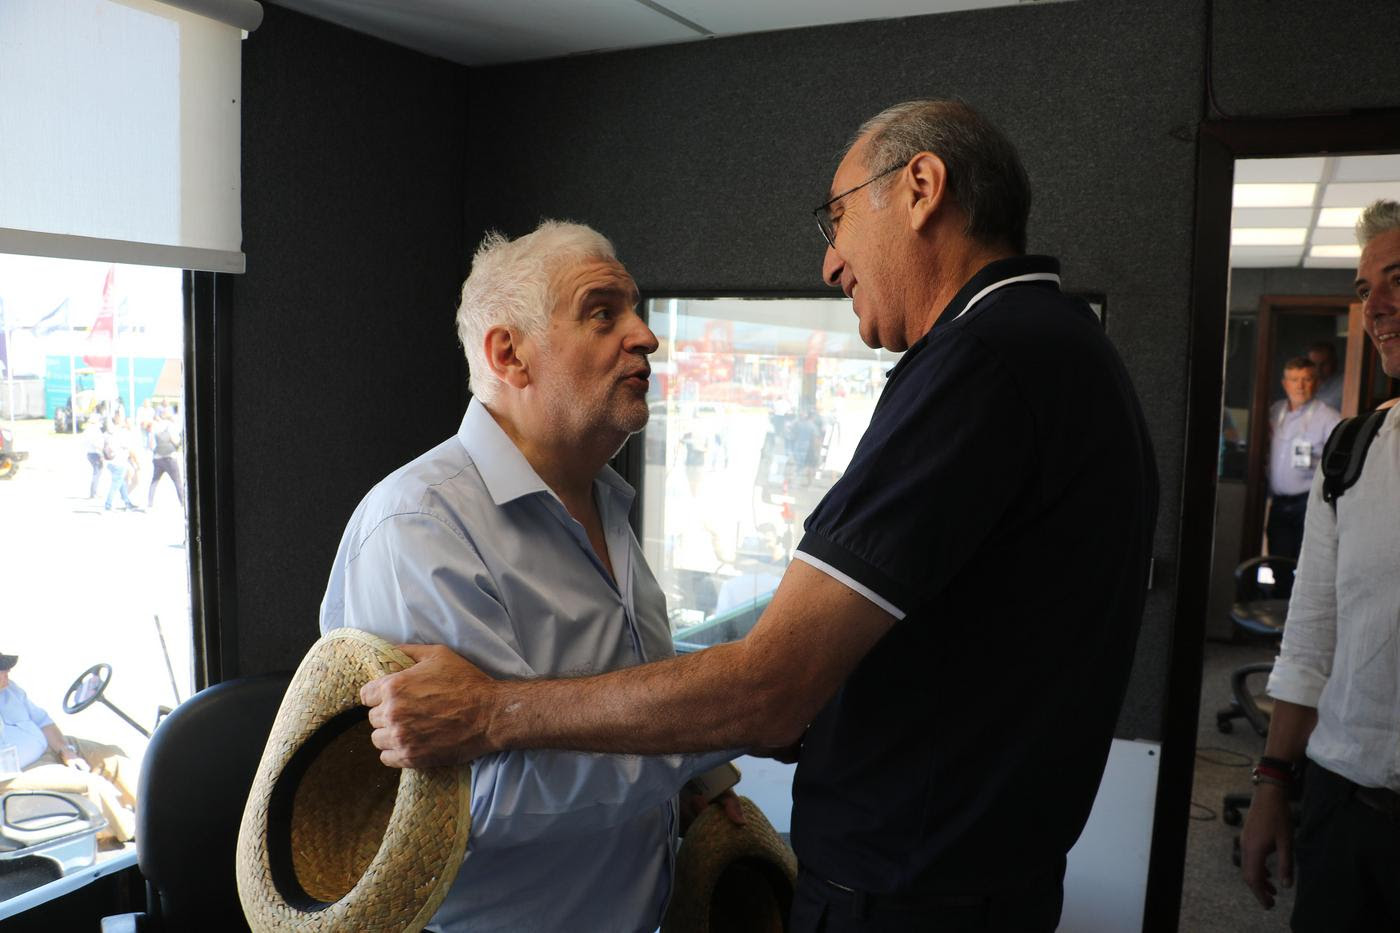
(128, 450)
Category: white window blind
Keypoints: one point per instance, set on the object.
(119, 130)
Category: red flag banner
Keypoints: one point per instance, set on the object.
(99, 354)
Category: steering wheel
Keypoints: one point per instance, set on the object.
(87, 689)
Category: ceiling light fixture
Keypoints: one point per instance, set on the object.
(1351, 251)
(1338, 216)
(1249, 195)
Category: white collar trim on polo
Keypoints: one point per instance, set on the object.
(1028, 277)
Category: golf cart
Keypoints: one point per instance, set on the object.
(9, 457)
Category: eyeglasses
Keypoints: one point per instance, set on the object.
(826, 223)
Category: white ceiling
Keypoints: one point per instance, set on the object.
(1301, 211)
(492, 32)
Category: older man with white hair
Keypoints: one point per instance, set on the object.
(1336, 683)
(510, 543)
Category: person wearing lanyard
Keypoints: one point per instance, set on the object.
(947, 654)
(510, 542)
(1298, 429)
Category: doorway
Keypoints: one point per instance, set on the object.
(1220, 334)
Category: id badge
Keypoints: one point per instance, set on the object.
(1302, 455)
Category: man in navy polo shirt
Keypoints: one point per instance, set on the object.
(949, 652)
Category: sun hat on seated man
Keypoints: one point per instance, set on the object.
(8, 661)
(332, 839)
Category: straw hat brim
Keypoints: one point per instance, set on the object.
(731, 877)
(331, 839)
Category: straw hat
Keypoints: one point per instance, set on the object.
(735, 879)
(332, 839)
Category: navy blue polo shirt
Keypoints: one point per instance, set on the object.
(1001, 506)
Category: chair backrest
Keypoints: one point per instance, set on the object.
(1275, 581)
(195, 779)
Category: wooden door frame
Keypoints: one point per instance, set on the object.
(1218, 145)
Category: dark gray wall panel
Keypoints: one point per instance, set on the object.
(1248, 285)
(702, 162)
(344, 350)
(1293, 57)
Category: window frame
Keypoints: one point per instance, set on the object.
(209, 472)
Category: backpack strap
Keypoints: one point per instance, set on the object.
(1345, 453)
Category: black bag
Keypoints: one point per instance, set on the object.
(1345, 453)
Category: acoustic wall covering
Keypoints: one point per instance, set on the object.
(344, 350)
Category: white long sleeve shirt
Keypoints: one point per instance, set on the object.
(1341, 642)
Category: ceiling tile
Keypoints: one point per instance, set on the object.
(1271, 217)
(730, 17)
(1359, 194)
(1308, 168)
(1247, 257)
(1367, 168)
(484, 32)
(1333, 236)
(1315, 262)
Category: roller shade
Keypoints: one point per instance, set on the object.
(119, 130)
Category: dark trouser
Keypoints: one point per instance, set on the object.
(160, 466)
(1285, 529)
(1031, 905)
(96, 460)
(1348, 858)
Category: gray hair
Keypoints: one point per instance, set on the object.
(985, 175)
(512, 284)
(1381, 217)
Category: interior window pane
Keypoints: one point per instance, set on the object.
(756, 408)
(95, 571)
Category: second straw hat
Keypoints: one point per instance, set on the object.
(731, 879)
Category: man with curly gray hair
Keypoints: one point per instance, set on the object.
(509, 542)
(1336, 683)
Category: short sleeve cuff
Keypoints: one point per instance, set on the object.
(852, 572)
(1294, 684)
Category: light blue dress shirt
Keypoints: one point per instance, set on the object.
(22, 725)
(1311, 422)
(467, 547)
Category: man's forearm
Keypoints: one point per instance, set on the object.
(695, 703)
(57, 742)
(758, 692)
(1290, 727)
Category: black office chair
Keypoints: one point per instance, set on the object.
(194, 782)
(1262, 588)
(1260, 607)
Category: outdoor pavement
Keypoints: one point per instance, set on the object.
(81, 586)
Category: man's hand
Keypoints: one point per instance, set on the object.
(434, 713)
(692, 805)
(1267, 828)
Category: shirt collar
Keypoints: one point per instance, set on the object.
(505, 471)
(1013, 269)
(995, 274)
